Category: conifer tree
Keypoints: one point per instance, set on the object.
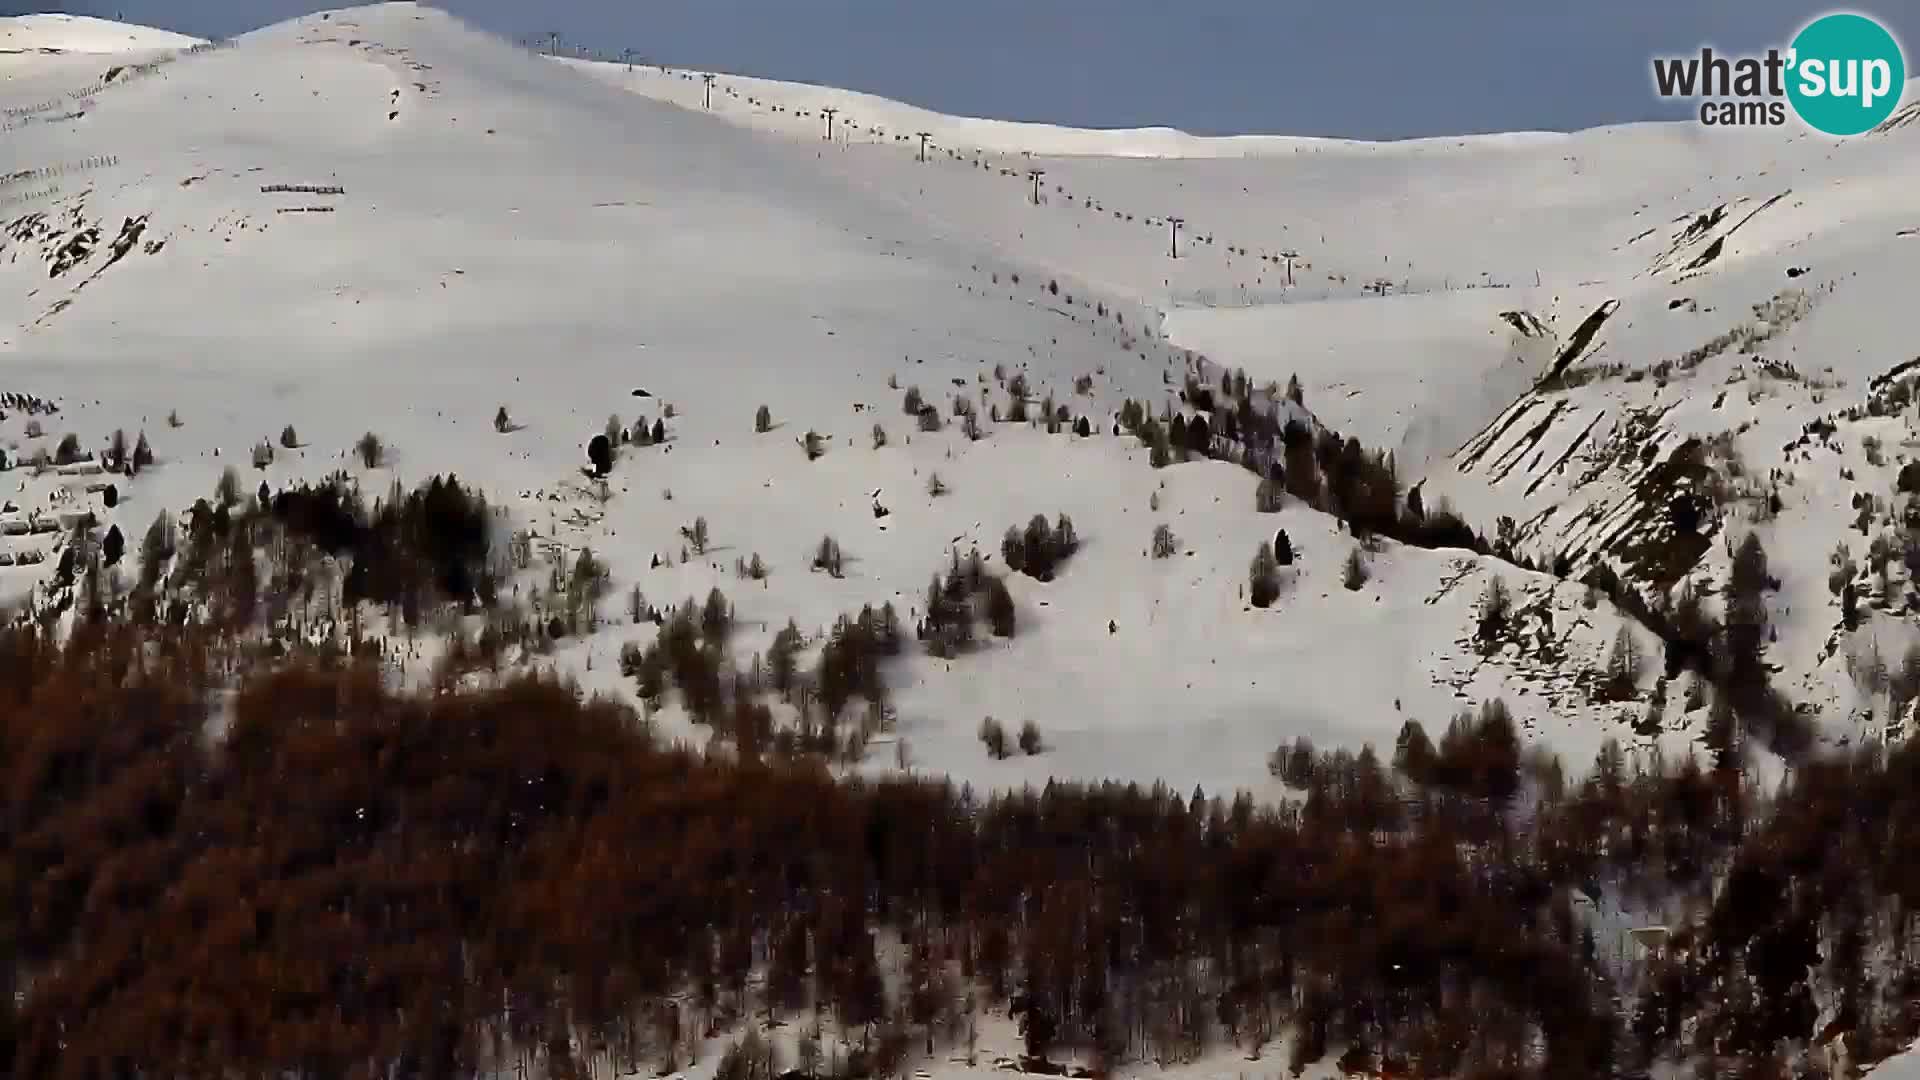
(1263, 577)
(1000, 610)
(1164, 543)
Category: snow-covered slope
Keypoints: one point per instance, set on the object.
(48, 34)
(1535, 222)
(378, 219)
(1422, 289)
(773, 103)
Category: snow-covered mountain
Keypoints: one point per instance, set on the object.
(53, 35)
(380, 220)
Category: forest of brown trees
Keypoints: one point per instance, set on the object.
(353, 878)
(322, 876)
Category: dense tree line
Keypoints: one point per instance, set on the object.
(355, 877)
(1313, 464)
(423, 547)
(345, 882)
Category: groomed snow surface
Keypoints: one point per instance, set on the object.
(556, 236)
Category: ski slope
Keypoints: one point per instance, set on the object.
(487, 227)
(1423, 288)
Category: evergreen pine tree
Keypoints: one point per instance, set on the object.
(1263, 578)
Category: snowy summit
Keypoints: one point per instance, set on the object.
(52, 34)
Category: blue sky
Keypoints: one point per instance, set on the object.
(1380, 69)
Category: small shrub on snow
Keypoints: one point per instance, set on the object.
(1030, 743)
(1164, 543)
(994, 737)
(827, 556)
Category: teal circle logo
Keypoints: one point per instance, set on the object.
(1845, 74)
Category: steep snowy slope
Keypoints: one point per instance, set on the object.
(378, 220)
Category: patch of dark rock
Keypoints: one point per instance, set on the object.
(1711, 253)
(1583, 335)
